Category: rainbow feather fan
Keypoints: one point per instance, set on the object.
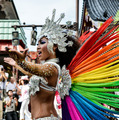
(95, 77)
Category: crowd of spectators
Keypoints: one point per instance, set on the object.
(14, 97)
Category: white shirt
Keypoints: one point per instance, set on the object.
(3, 84)
(24, 93)
(11, 86)
(12, 106)
(20, 87)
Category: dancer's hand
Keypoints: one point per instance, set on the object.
(10, 61)
(17, 56)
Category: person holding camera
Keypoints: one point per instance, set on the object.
(11, 104)
(3, 80)
(12, 85)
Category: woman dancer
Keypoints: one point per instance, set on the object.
(42, 102)
(93, 68)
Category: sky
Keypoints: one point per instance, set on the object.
(36, 11)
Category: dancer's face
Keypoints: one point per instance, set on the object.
(43, 53)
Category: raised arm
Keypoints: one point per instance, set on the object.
(28, 68)
(11, 62)
(22, 70)
(1, 77)
(4, 75)
(45, 70)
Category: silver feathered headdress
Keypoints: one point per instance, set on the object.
(54, 32)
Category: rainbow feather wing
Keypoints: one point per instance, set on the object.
(95, 74)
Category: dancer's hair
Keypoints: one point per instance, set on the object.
(66, 57)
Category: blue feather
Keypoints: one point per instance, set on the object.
(93, 110)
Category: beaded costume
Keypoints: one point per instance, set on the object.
(95, 76)
(94, 72)
(36, 80)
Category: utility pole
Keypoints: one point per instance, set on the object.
(77, 17)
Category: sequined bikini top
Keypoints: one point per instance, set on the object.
(63, 81)
(37, 82)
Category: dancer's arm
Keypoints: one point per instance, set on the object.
(45, 70)
(22, 70)
(11, 62)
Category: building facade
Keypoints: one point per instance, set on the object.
(9, 18)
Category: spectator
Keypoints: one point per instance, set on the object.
(1, 109)
(24, 99)
(12, 85)
(11, 104)
(19, 87)
(57, 102)
(3, 80)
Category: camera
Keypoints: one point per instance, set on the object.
(14, 96)
(2, 69)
